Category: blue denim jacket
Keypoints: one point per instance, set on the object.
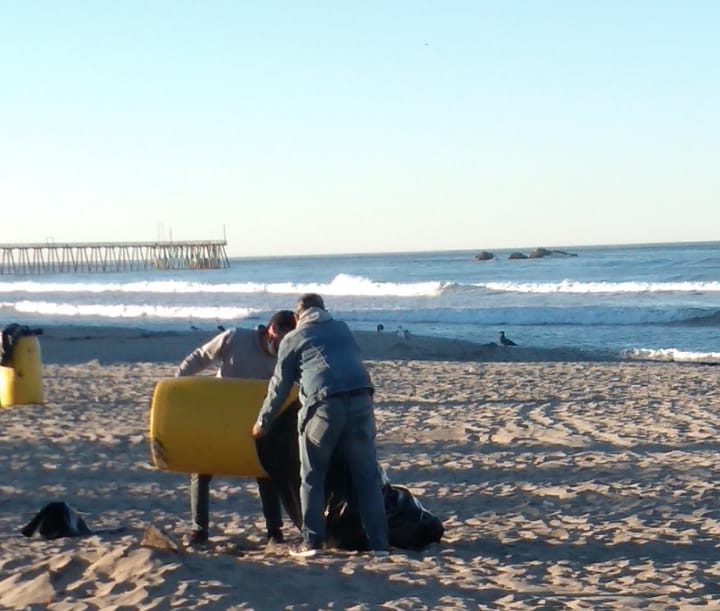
(321, 353)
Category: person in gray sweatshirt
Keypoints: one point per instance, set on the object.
(245, 354)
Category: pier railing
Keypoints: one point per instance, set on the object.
(52, 257)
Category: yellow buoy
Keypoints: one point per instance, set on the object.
(203, 424)
(21, 383)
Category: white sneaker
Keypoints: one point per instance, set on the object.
(304, 551)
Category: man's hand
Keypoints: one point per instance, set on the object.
(257, 432)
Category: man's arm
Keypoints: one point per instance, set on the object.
(284, 376)
(205, 355)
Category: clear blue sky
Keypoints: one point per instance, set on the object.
(326, 127)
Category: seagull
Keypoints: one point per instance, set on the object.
(505, 341)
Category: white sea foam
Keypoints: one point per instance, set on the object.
(127, 311)
(341, 284)
(671, 355)
(344, 284)
(569, 286)
(350, 285)
(514, 316)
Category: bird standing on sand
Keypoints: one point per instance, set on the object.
(505, 341)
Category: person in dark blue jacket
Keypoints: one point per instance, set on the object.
(337, 414)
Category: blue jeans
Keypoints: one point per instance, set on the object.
(346, 425)
(200, 503)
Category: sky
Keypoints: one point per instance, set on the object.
(343, 127)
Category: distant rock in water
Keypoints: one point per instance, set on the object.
(541, 253)
(484, 256)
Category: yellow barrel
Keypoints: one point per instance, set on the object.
(202, 424)
(21, 383)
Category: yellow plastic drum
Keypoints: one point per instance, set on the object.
(21, 383)
(203, 424)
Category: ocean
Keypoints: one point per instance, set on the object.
(653, 302)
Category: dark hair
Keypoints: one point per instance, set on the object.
(307, 301)
(284, 320)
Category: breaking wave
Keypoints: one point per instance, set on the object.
(341, 284)
(130, 311)
(515, 316)
(572, 287)
(671, 355)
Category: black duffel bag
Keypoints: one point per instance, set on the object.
(410, 525)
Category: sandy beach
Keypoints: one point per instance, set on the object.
(564, 480)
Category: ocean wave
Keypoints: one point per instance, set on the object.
(573, 287)
(357, 286)
(671, 355)
(588, 316)
(130, 311)
(703, 319)
(341, 285)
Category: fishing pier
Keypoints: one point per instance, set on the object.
(51, 257)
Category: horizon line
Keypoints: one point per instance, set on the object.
(473, 250)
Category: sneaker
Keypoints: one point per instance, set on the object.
(379, 553)
(304, 550)
(275, 536)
